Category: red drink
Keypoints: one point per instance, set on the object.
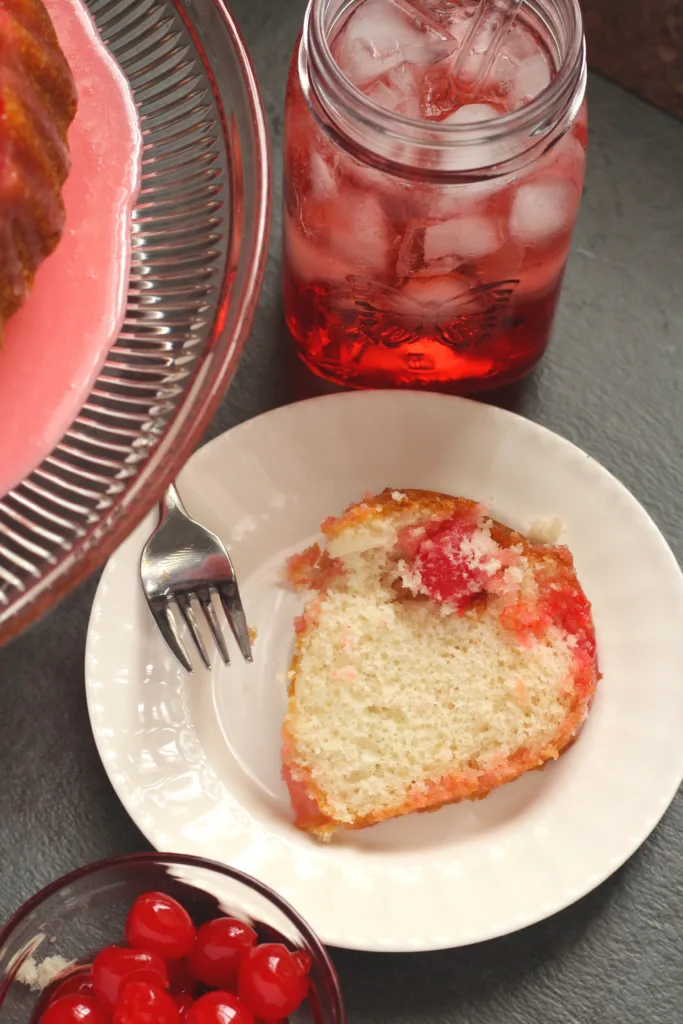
(427, 252)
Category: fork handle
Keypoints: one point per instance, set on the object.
(170, 502)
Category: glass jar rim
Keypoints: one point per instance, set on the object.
(342, 104)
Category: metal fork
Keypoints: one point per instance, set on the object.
(183, 561)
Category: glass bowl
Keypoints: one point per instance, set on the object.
(86, 910)
(200, 232)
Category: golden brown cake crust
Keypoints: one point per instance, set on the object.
(37, 105)
(311, 807)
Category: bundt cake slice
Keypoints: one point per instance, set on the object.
(440, 654)
(37, 105)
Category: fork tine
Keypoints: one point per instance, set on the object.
(234, 611)
(210, 614)
(166, 624)
(188, 614)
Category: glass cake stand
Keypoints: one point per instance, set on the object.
(200, 232)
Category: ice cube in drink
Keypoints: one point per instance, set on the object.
(393, 279)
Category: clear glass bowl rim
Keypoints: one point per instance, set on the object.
(131, 860)
(202, 399)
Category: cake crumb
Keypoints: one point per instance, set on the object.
(399, 496)
(253, 634)
(546, 530)
(513, 577)
(39, 975)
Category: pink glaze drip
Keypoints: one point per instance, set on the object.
(56, 344)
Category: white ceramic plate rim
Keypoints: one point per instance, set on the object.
(380, 900)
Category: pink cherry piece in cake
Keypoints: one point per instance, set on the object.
(56, 344)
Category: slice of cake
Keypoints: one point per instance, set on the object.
(440, 654)
(37, 105)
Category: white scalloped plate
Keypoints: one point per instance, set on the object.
(195, 760)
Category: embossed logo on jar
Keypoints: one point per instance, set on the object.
(458, 312)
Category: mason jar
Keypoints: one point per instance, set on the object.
(427, 224)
